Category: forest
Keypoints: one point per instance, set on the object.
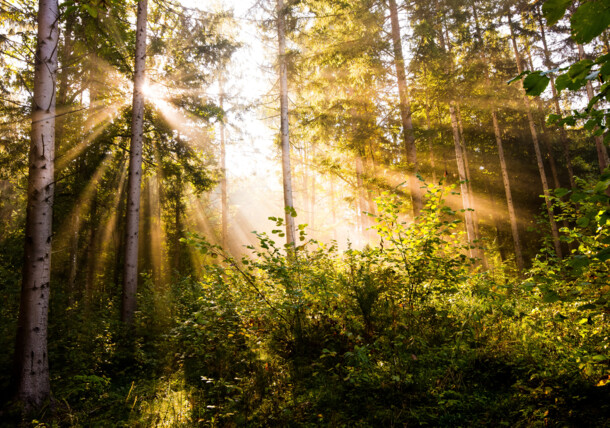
(360, 213)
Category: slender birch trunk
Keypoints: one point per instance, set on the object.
(31, 360)
(539, 160)
(405, 111)
(284, 135)
(132, 222)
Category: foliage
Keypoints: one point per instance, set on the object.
(588, 21)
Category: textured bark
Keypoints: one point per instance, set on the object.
(284, 135)
(360, 191)
(430, 141)
(462, 175)
(602, 152)
(92, 248)
(504, 170)
(509, 196)
(539, 160)
(31, 359)
(132, 221)
(471, 203)
(405, 111)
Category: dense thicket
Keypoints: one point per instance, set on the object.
(445, 166)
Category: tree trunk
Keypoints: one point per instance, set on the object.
(360, 192)
(132, 222)
(430, 140)
(509, 196)
(284, 135)
(405, 111)
(563, 134)
(92, 250)
(223, 181)
(475, 216)
(540, 162)
(462, 175)
(31, 359)
(333, 207)
(602, 152)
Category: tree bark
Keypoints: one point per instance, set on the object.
(31, 359)
(509, 196)
(223, 182)
(504, 170)
(132, 222)
(284, 134)
(563, 134)
(539, 160)
(405, 111)
(463, 181)
(471, 203)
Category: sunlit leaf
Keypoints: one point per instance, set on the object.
(535, 83)
(590, 20)
(554, 10)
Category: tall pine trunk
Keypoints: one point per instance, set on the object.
(132, 221)
(31, 359)
(284, 135)
(509, 196)
(223, 181)
(475, 217)
(539, 160)
(405, 112)
(563, 134)
(463, 180)
(504, 170)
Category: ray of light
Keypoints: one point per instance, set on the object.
(83, 202)
(95, 125)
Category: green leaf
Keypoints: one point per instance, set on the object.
(553, 118)
(583, 222)
(590, 20)
(602, 185)
(605, 70)
(561, 192)
(564, 81)
(590, 124)
(603, 255)
(92, 10)
(551, 297)
(535, 83)
(554, 10)
(579, 70)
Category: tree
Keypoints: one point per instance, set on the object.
(405, 110)
(130, 279)
(284, 133)
(31, 356)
